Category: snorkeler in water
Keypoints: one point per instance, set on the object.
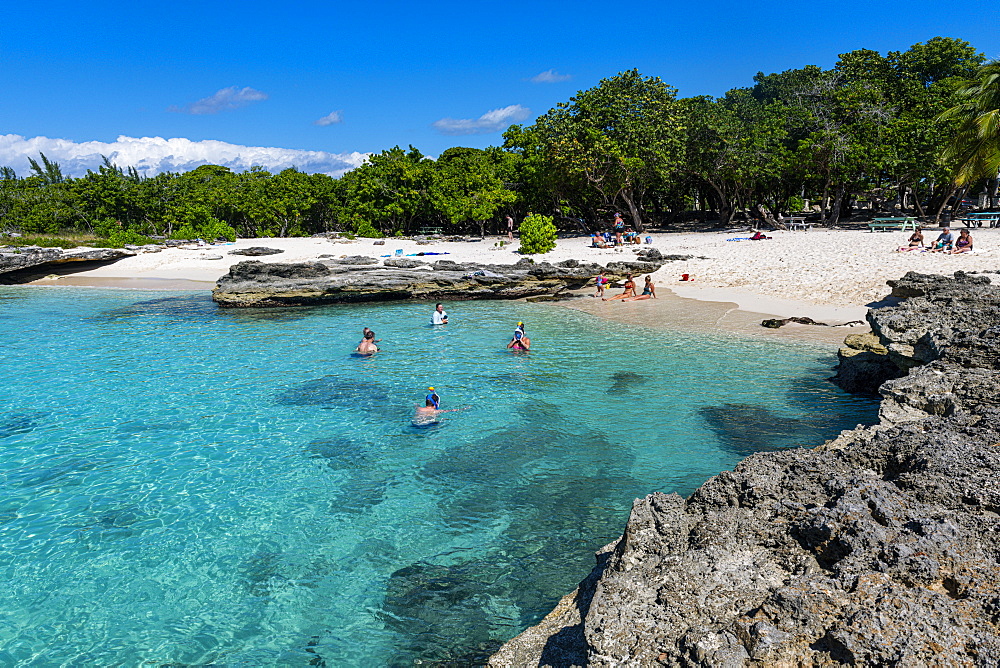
(427, 414)
(520, 340)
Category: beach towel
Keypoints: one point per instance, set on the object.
(740, 239)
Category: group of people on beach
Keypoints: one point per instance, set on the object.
(628, 294)
(945, 242)
(620, 235)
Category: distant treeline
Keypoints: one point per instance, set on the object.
(868, 129)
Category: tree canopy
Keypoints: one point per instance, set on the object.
(904, 129)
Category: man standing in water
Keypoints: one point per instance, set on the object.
(510, 229)
(439, 317)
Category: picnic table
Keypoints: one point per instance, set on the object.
(797, 223)
(894, 224)
(977, 219)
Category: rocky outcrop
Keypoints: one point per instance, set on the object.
(19, 265)
(357, 279)
(256, 251)
(876, 548)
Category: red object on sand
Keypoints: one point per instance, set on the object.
(684, 277)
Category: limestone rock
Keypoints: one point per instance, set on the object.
(28, 263)
(358, 278)
(255, 251)
(878, 548)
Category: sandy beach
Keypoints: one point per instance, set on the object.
(829, 275)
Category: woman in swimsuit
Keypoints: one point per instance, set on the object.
(648, 291)
(629, 290)
(916, 241)
(521, 342)
(964, 243)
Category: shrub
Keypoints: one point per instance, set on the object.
(538, 234)
(209, 230)
(364, 229)
(122, 238)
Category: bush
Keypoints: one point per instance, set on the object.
(364, 229)
(123, 238)
(538, 234)
(209, 231)
(42, 242)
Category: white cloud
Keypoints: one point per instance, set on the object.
(226, 99)
(550, 76)
(152, 155)
(494, 120)
(330, 119)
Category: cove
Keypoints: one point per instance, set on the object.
(188, 485)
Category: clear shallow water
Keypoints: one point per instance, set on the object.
(186, 485)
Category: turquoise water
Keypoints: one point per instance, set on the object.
(181, 484)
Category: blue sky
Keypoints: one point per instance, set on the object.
(246, 83)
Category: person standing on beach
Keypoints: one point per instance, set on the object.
(619, 228)
(510, 228)
(602, 282)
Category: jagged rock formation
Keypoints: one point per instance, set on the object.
(20, 265)
(359, 278)
(256, 251)
(877, 548)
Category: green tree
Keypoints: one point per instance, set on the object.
(975, 147)
(617, 138)
(469, 186)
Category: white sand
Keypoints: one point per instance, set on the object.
(829, 275)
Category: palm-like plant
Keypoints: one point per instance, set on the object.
(976, 146)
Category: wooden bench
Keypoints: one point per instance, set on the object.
(893, 224)
(797, 223)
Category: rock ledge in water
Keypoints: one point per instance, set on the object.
(361, 279)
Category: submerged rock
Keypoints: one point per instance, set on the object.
(876, 548)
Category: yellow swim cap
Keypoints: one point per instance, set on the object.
(431, 389)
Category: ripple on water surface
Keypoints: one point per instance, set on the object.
(188, 485)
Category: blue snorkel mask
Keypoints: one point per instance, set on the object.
(433, 397)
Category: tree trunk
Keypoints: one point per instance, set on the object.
(834, 217)
(633, 211)
(944, 203)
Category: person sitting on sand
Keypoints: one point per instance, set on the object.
(758, 235)
(964, 242)
(915, 241)
(648, 291)
(520, 341)
(597, 241)
(943, 242)
(629, 290)
(367, 345)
